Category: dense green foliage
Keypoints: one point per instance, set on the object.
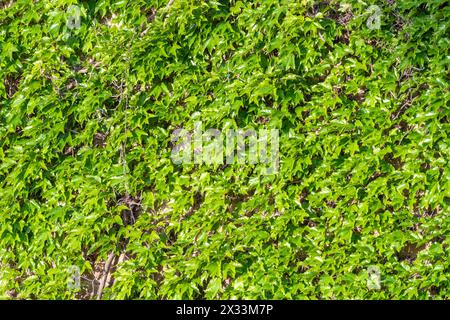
(86, 116)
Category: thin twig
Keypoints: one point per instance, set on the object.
(170, 3)
(105, 275)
